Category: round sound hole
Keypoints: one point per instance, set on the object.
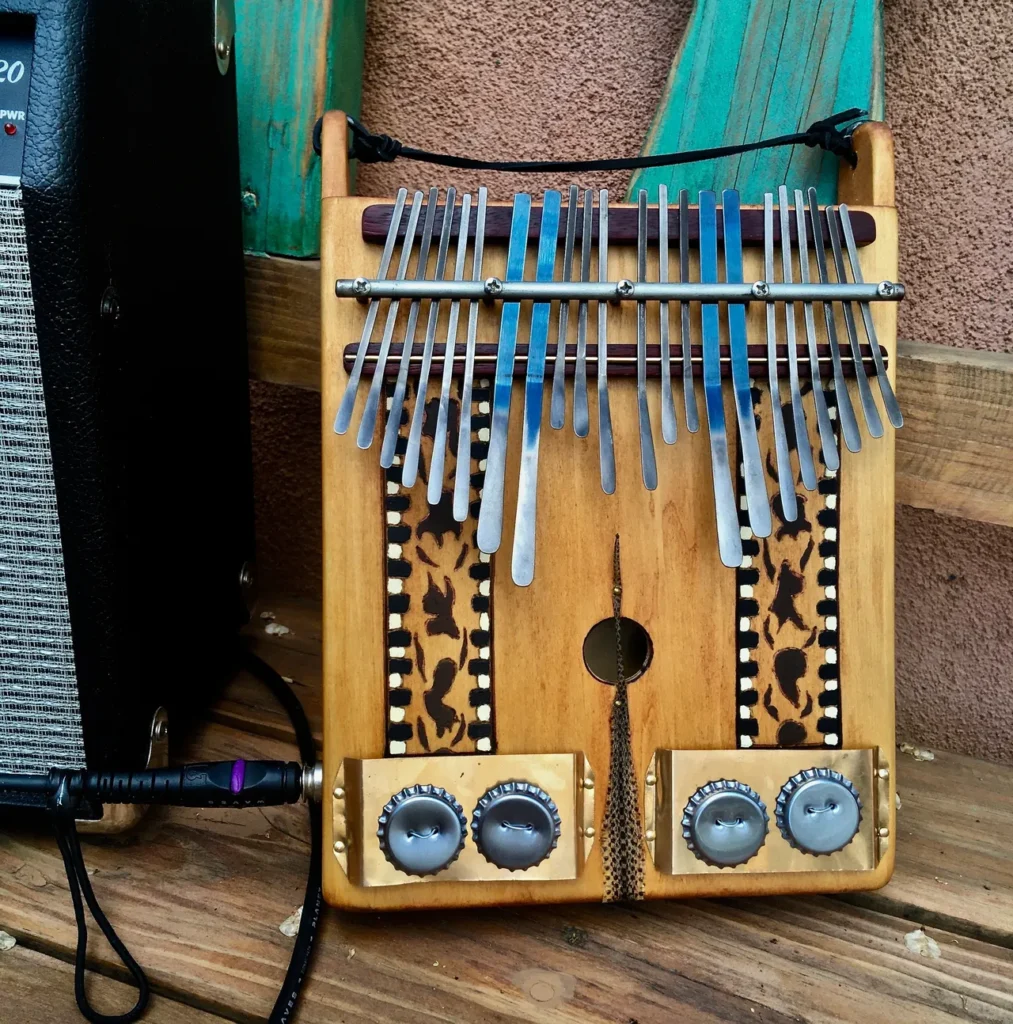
(600, 650)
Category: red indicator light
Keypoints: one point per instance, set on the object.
(10, 128)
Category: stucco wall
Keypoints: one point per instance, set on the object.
(579, 78)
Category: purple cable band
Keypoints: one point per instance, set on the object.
(238, 776)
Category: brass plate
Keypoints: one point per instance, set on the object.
(362, 787)
(679, 773)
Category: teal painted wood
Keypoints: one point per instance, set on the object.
(295, 59)
(751, 69)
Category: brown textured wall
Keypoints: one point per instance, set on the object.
(580, 78)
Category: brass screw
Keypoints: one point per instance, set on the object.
(649, 835)
(651, 779)
(339, 793)
(589, 831)
(339, 846)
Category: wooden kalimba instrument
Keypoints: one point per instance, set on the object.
(635, 643)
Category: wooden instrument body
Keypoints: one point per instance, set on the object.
(544, 699)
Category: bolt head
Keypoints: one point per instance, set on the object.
(649, 835)
(883, 773)
(339, 846)
(339, 793)
(360, 286)
(651, 779)
(882, 832)
(493, 286)
(222, 49)
(885, 289)
(589, 832)
(624, 289)
(161, 730)
(761, 289)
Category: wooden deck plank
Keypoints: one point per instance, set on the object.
(39, 989)
(953, 454)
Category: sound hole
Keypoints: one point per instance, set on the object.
(600, 650)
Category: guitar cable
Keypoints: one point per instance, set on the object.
(212, 784)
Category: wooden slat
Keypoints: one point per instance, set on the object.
(953, 453)
(748, 71)
(198, 895)
(39, 989)
(295, 59)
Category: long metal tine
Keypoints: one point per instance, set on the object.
(729, 537)
(831, 458)
(802, 445)
(581, 419)
(490, 518)
(344, 414)
(668, 427)
(785, 477)
(462, 474)
(842, 396)
(523, 563)
(389, 449)
(872, 420)
(757, 501)
(890, 403)
(367, 426)
(434, 491)
(557, 410)
(688, 388)
(648, 462)
(606, 448)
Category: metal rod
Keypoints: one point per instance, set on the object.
(367, 426)
(606, 447)
(437, 464)
(490, 518)
(668, 426)
(688, 388)
(410, 467)
(872, 420)
(462, 473)
(842, 396)
(581, 419)
(648, 462)
(785, 476)
(802, 446)
(828, 443)
(893, 413)
(729, 539)
(757, 502)
(495, 289)
(522, 567)
(344, 414)
(557, 410)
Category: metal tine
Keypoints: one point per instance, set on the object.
(872, 420)
(668, 426)
(344, 414)
(557, 410)
(785, 477)
(648, 462)
(581, 420)
(367, 425)
(828, 443)
(523, 563)
(893, 413)
(729, 536)
(389, 449)
(434, 491)
(757, 501)
(462, 474)
(490, 518)
(688, 389)
(802, 446)
(606, 447)
(842, 396)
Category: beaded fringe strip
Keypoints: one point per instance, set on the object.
(622, 848)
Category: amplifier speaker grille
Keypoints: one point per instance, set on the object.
(40, 713)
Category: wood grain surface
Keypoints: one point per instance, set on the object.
(199, 895)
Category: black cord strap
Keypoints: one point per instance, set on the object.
(77, 879)
(832, 134)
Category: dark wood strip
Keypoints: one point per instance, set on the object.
(622, 225)
(622, 360)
